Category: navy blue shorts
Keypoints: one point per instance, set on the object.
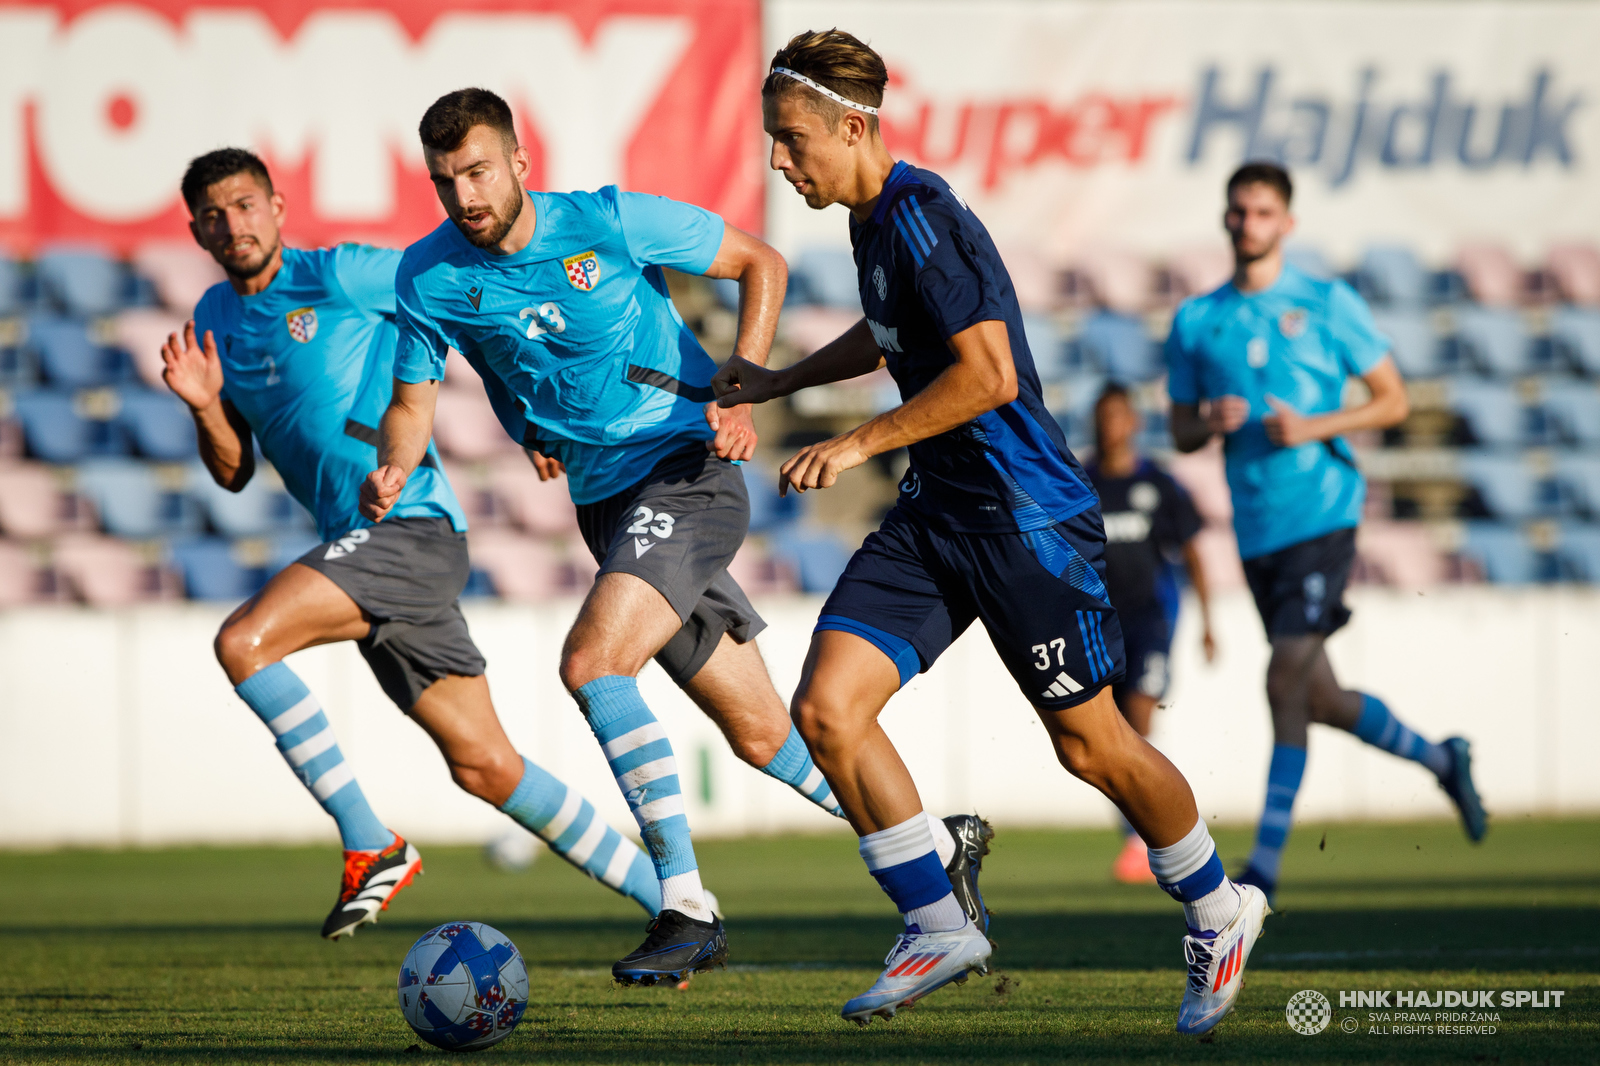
(913, 588)
(1147, 646)
(1299, 590)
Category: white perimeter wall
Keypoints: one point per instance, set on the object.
(119, 728)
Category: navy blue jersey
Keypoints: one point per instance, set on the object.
(1148, 518)
(929, 270)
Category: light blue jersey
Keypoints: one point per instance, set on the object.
(579, 346)
(1299, 341)
(309, 363)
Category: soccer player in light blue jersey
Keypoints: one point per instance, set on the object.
(559, 301)
(296, 351)
(1262, 362)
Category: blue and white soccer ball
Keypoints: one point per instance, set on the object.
(463, 986)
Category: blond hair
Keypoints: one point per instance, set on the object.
(835, 60)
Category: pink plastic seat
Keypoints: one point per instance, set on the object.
(1402, 554)
(141, 331)
(31, 503)
(180, 271)
(809, 328)
(540, 507)
(465, 427)
(1493, 277)
(102, 571)
(1201, 268)
(1576, 268)
(1120, 281)
(523, 569)
(760, 574)
(19, 575)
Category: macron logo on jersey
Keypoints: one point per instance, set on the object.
(887, 337)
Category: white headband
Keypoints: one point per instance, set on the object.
(829, 93)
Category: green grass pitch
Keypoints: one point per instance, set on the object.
(212, 955)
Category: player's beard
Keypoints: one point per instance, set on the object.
(505, 216)
(246, 271)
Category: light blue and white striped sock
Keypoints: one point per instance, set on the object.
(305, 738)
(641, 759)
(1379, 727)
(560, 816)
(793, 766)
(1288, 766)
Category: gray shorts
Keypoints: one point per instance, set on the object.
(678, 530)
(407, 574)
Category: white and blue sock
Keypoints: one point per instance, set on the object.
(1379, 727)
(560, 816)
(906, 865)
(793, 766)
(1191, 873)
(641, 759)
(305, 738)
(1288, 766)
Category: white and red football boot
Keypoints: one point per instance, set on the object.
(1216, 966)
(918, 964)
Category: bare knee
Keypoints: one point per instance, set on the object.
(238, 649)
(492, 777)
(581, 665)
(825, 724)
(1088, 763)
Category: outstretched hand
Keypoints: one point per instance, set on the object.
(739, 381)
(818, 466)
(192, 371)
(381, 491)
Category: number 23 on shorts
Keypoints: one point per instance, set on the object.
(646, 521)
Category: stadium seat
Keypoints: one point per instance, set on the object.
(1307, 258)
(57, 432)
(1120, 345)
(1200, 268)
(1120, 281)
(19, 367)
(102, 571)
(69, 357)
(523, 569)
(1491, 275)
(140, 332)
(1402, 553)
(768, 510)
(1578, 552)
(1391, 276)
(760, 574)
(543, 508)
(1508, 486)
(211, 570)
(1036, 282)
(1574, 405)
(158, 424)
(1578, 476)
(1494, 340)
(19, 575)
(260, 509)
(1504, 553)
(31, 503)
(1072, 403)
(1414, 346)
(11, 288)
(1575, 334)
(726, 290)
(132, 501)
(1493, 412)
(1046, 345)
(1576, 270)
(285, 548)
(826, 275)
(180, 271)
(817, 556)
(465, 426)
(80, 282)
(808, 328)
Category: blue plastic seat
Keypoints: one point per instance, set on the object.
(818, 556)
(159, 424)
(1120, 346)
(82, 283)
(1392, 276)
(1508, 486)
(1577, 477)
(1504, 553)
(211, 571)
(1575, 334)
(1494, 341)
(288, 547)
(133, 502)
(1046, 345)
(19, 368)
(827, 276)
(69, 357)
(57, 432)
(259, 509)
(11, 291)
(1492, 410)
(1578, 552)
(1413, 345)
(1574, 405)
(768, 510)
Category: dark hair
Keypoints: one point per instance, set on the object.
(206, 170)
(1263, 172)
(1112, 391)
(835, 60)
(451, 117)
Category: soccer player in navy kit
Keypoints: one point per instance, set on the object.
(296, 350)
(995, 522)
(1262, 362)
(1150, 522)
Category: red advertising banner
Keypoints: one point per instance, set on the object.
(102, 105)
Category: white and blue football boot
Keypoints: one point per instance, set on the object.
(918, 964)
(1216, 965)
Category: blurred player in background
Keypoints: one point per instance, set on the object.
(1150, 521)
(559, 302)
(297, 351)
(995, 521)
(1263, 362)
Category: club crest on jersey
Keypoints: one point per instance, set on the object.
(302, 323)
(583, 270)
(1292, 323)
(880, 283)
